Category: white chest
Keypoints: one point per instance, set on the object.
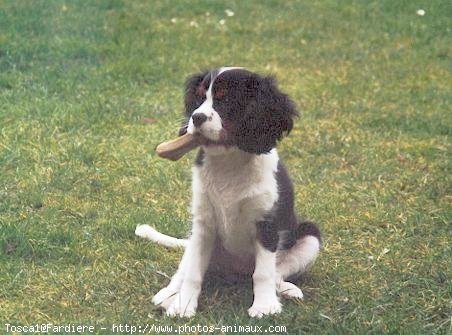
(234, 194)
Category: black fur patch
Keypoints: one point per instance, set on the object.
(195, 88)
(199, 161)
(193, 95)
(268, 116)
(267, 233)
(308, 228)
(281, 228)
(183, 129)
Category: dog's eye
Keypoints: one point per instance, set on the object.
(220, 93)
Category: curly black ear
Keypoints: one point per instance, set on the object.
(267, 118)
(192, 98)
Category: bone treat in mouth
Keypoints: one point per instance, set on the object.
(175, 149)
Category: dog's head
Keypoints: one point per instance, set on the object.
(235, 107)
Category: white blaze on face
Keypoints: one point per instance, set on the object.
(212, 127)
(224, 69)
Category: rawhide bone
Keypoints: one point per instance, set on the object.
(178, 147)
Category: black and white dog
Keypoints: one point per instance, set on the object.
(243, 201)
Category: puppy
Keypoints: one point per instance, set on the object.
(243, 200)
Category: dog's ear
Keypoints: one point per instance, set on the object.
(268, 116)
(194, 92)
(192, 98)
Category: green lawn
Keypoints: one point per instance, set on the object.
(89, 88)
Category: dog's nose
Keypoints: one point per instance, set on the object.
(199, 119)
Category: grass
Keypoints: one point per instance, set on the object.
(87, 90)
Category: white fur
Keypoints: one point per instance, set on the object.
(197, 258)
(299, 258)
(146, 231)
(228, 68)
(288, 290)
(264, 284)
(239, 188)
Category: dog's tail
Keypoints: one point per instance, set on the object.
(150, 233)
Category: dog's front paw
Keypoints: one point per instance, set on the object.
(258, 310)
(180, 308)
(162, 295)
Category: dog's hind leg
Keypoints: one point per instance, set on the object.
(288, 290)
(299, 258)
(293, 262)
